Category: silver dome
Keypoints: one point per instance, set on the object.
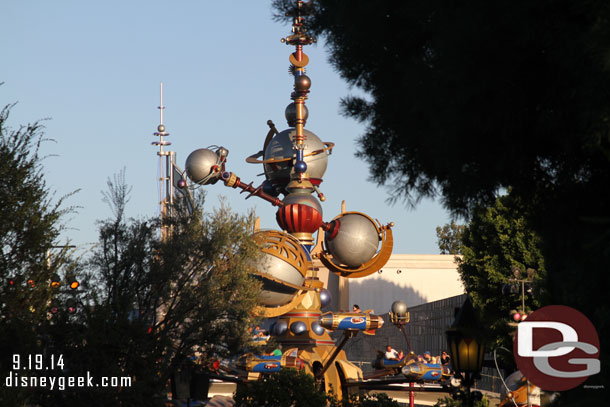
(199, 166)
(356, 241)
(280, 147)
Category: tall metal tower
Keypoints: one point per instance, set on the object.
(166, 164)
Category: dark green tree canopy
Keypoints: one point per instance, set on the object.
(30, 254)
(449, 238)
(287, 388)
(160, 304)
(497, 241)
(29, 217)
(30, 225)
(147, 306)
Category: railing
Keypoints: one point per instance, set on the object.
(489, 382)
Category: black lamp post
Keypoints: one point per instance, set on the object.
(465, 348)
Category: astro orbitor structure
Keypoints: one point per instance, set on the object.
(353, 244)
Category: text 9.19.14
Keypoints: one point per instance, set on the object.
(38, 362)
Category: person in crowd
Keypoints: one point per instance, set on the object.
(445, 358)
(356, 308)
(391, 353)
(427, 357)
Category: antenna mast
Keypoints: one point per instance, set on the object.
(166, 159)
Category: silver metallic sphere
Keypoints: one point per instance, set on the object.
(283, 259)
(274, 294)
(279, 328)
(399, 308)
(356, 241)
(160, 128)
(298, 328)
(199, 165)
(325, 297)
(291, 114)
(223, 152)
(280, 147)
(317, 328)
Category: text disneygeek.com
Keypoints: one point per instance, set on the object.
(27, 369)
(63, 382)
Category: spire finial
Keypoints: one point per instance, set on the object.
(299, 60)
(161, 107)
(161, 127)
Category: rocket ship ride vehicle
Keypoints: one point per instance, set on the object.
(269, 363)
(425, 372)
(355, 321)
(412, 369)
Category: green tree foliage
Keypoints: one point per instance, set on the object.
(287, 388)
(497, 240)
(449, 238)
(157, 305)
(449, 402)
(30, 225)
(366, 400)
(293, 388)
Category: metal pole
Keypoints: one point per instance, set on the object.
(169, 186)
(529, 402)
(470, 400)
(411, 395)
(347, 335)
(404, 333)
(523, 296)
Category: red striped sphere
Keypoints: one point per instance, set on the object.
(301, 213)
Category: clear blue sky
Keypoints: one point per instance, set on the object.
(94, 68)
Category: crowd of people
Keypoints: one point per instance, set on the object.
(442, 359)
(393, 354)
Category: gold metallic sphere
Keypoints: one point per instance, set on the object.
(302, 83)
(161, 128)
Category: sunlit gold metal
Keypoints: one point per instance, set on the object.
(284, 246)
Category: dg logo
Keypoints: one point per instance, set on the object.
(557, 348)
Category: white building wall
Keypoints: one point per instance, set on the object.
(413, 278)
